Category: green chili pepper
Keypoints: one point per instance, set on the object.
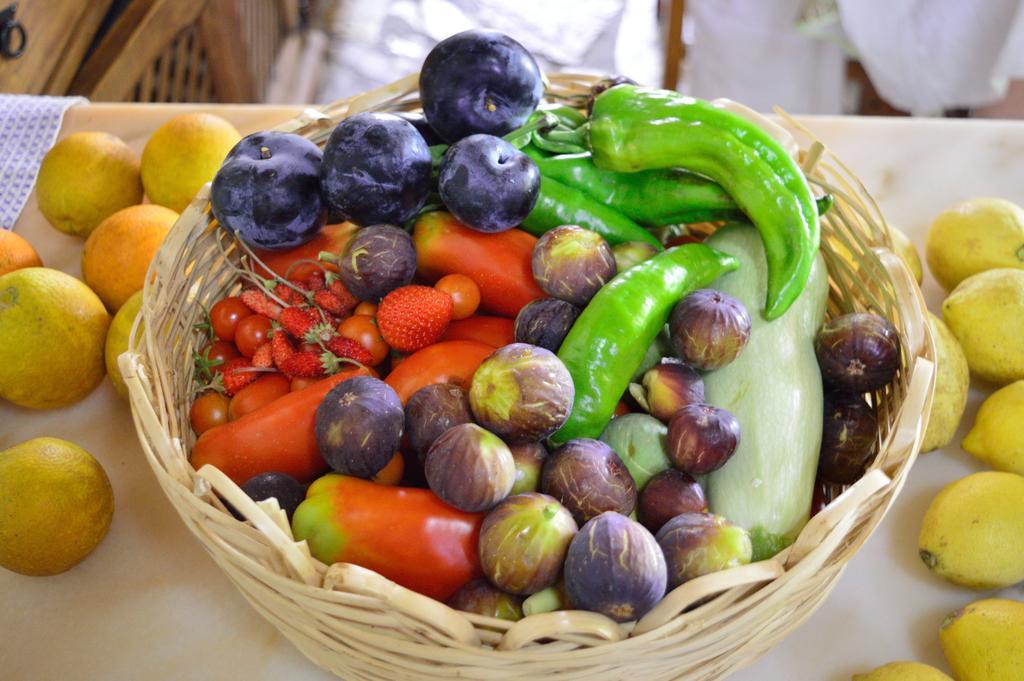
(559, 205)
(633, 128)
(609, 339)
(650, 197)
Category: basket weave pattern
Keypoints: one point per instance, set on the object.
(360, 625)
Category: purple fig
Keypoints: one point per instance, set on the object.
(697, 544)
(667, 388)
(571, 263)
(632, 253)
(483, 598)
(545, 322)
(858, 352)
(702, 438)
(668, 494)
(589, 478)
(431, 411)
(848, 436)
(470, 468)
(359, 426)
(529, 459)
(709, 329)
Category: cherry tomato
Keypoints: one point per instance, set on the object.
(300, 382)
(252, 332)
(225, 315)
(464, 292)
(363, 330)
(365, 308)
(219, 350)
(391, 474)
(255, 395)
(208, 410)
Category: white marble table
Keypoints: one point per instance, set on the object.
(149, 604)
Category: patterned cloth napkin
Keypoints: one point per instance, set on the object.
(28, 128)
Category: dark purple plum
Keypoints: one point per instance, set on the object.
(431, 411)
(523, 542)
(483, 598)
(470, 468)
(702, 438)
(359, 426)
(615, 567)
(697, 544)
(267, 191)
(849, 433)
(419, 121)
(376, 169)
(571, 263)
(479, 81)
(632, 253)
(589, 478)
(858, 352)
(545, 322)
(709, 329)
(377, 260)
(521, 392)
(487, 183)
(529, 459)
(668, 494)
(288, 491)
(667, 388)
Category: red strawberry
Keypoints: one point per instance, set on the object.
(289, 295)
(304, 364)
(346, 348)
(264, 356)
(281, 347)
(298, 321)
(412, 317)
(333, 304)
(260, 303)
(336, 287)
(315, 281)
(234, 375)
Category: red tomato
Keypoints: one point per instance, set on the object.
(252, 332)
(255, 395)
(363, 330)
(219, 350)
(225, 315)
(208, 410)
(365, 308)
(464, 292)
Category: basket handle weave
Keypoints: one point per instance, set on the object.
(561, 624)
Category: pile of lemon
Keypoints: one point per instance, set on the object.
(57, 340)
(973, 532)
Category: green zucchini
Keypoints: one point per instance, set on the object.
(774, 389)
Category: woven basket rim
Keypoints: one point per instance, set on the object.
(575, 635)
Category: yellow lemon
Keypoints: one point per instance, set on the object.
(117, 254)
(906, 250)
(974, 236)
(86, 177)
(52, 329)
(985, 641)
(973, 531)
(55, 506)
(117, 340)
(997, 437)
(182, 155)
(903, 671)
(952, 383)
(986, 314)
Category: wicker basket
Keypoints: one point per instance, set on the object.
(360, 625)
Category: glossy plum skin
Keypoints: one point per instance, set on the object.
(545, 322)
(419, 121)
(615, 567)
(589, 478)
(376, 169)
(268, 190)
(487, 183)
(359, 426)
(377, 260)
(479, 81)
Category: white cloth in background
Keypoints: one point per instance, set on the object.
(751, 51)
(924, 56)
(28, 128)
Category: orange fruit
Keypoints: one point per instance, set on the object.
(117, 253)
(16, 253)
(85, 178)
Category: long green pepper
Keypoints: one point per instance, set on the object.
(634, 128)
(608, 340)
